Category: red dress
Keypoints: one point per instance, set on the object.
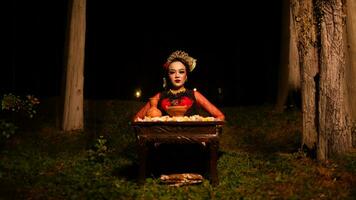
(185, 98)
(193, 99)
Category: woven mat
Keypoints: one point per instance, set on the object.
(181, 179)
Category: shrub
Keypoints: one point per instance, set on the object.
(7, 129)
(14, 104)
(98, 154)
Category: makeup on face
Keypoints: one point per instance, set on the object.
(177, 74)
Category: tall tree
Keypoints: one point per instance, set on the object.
(334, 118)
(289, 72)
(304, 31)
(72, 118)
(327, 89)
(351, 67)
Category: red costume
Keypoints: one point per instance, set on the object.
(193, 99)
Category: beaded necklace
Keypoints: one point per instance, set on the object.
(182, 89)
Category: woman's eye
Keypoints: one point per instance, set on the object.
(171, 72)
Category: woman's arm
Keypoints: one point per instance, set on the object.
(142, 112)
(209, 107)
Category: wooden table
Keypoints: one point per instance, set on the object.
(206, 132)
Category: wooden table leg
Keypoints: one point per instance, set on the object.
(143, 149)
(213, 147)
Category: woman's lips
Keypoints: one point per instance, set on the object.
(177, 81)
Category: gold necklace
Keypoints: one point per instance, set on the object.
(182, 89)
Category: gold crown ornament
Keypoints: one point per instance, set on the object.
(181, 55)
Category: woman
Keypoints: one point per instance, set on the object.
(177, 67)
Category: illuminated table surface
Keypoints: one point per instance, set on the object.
(207, 132)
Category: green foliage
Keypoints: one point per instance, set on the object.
(7, 129)
(15, 103)
(99, 153)
(259, 158)
(10, 104)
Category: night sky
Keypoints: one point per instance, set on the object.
(237, 48)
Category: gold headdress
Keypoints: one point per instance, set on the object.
(183, 56)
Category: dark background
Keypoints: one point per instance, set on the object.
(237, 48)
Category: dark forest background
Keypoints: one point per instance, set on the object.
(237, 48)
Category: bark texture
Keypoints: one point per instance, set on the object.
(74, 76)
(303, 26)
(326, 65)
(351, 67)
(334, 128)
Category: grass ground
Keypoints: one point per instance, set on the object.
(259, 158)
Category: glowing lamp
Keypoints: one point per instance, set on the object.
(138, 93)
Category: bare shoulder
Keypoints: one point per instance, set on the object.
(197, 93)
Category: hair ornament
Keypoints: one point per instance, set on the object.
(181, 55)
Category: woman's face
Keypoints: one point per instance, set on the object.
(177, 74)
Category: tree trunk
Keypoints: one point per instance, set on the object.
(304, 26)
(289, 72)
(351, 67)
(283, 76)
(293, 63)
(334, 128)
(72, 118)
(327, 74)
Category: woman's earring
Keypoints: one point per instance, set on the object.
(164, 82)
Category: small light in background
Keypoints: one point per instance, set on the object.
(195, 89)
(219, 90)
(138, 93)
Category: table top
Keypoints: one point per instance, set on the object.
(176, 123)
